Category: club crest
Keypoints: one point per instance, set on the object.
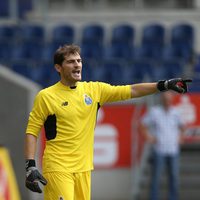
(87, 99)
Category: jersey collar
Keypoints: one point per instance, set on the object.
(65, 87)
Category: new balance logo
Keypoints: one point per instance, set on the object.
(65, 103)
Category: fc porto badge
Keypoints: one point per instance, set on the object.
(87, 99)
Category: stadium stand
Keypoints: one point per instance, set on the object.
(23, 7)
(147, 52)
(183, 35)
(39, 72)
(118, 51)
(4, 8)
(177, 53)
(90, 50)
(31, 32)
(112, 70)
(63, 33)
(5, 51)
(19, 52)
(172, 68)
(93, 33)
(153, 35)
(48, 51)
(30, 45)
(21, 68)
(123, 34)
(8, 33)
(143, 70)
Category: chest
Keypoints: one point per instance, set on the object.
(73, 105)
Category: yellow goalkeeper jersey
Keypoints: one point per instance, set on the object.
(69, 117)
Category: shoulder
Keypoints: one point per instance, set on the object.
(46, 91)
(93, 84)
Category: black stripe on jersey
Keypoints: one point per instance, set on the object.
(98, 106)
(50, 127)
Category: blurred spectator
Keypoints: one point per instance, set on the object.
(163, 128)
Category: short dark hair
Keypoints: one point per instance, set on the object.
(65, 50)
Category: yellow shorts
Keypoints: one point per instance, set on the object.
(68, 186)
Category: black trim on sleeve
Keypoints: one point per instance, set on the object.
(98, 106)
(50, 127)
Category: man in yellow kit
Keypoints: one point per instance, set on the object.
(68, 112)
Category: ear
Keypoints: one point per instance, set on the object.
(57, 67)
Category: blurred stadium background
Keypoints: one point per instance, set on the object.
(122, 41)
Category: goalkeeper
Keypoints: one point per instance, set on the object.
(68, 111)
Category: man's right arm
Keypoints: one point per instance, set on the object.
(30, 146)
(33, 176)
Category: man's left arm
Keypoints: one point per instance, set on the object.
(176, 84)
(143, 89)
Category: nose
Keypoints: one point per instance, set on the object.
(77, 62)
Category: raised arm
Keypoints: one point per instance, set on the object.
(142, 89)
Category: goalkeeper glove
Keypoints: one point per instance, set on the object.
(177, 84)
(33, 177)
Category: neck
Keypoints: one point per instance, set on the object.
(71, 85)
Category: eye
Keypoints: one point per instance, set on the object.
(69, 61)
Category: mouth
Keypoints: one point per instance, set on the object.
(76, 73)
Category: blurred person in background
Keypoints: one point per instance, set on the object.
(68, 111)
(164, 130)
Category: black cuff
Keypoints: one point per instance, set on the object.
(161, 86)
(30, 163)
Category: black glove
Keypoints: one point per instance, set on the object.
(33, 177)
(177, 84)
